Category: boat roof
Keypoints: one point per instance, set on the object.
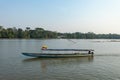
(68, 50)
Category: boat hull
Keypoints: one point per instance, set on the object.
(42, 55)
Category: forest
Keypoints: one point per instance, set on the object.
(40, 33)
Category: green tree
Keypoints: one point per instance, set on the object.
(1, 27)
(27, 33)
(39, 32)
(4, 33)
(20, 33)
(10, 33)
(15, 32)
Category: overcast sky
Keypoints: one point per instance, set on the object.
(99, 16)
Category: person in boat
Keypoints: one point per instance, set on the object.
(44, 47)
(90, 52)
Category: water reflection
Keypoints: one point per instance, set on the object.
(60, 60)
(46, 63)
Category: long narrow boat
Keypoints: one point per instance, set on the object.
(59, 53)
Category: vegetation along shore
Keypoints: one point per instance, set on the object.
(40, 33)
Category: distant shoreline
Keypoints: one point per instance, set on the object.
(40, 33)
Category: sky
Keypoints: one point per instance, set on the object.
(98, 16)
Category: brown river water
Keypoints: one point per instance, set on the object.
(105, 65)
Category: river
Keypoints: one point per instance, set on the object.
(105, 65)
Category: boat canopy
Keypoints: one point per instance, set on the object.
(68, 50)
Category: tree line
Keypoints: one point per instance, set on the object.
(40, 33)
(91, 35)
(26, 34)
